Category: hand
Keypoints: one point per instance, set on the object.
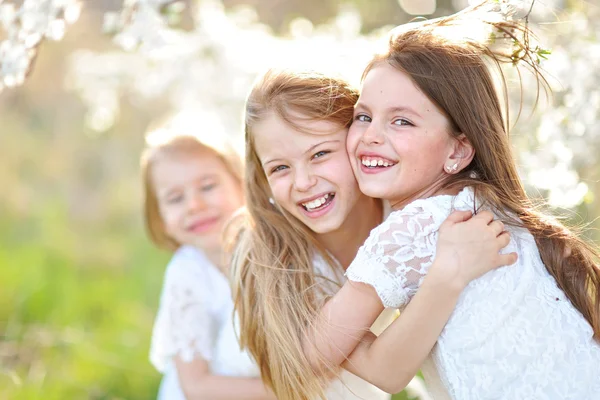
(468, 247)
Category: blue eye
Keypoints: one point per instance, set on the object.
(278, 168)
(402, 122)
(321, 153)
(363, 118)
(174, 199)
(208, 187)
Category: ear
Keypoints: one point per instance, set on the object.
(461, 154)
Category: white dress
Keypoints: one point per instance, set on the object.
(513, 334)
(195, 319)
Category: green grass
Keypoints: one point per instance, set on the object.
(76, 310)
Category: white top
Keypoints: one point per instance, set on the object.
(195, 319)
(513, 334)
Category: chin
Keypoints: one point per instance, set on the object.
(208, 243)
(324, 227)
(374, 190)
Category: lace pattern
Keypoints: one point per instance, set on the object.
(184, 325)
(513, 334)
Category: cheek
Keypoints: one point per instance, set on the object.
(226, 199)
(170, 217)
(279, 188)
(352, 139)
(339, 171)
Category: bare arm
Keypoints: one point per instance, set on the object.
(391, 360)
(198, 383)
(466, 250)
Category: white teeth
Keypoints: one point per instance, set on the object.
(371, 162)
(311, 205)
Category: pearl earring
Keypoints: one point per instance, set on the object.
(452, 168)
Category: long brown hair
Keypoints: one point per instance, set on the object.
(453, 71)
(277, 293)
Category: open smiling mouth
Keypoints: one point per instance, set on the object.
(318, 203)
(376, 162)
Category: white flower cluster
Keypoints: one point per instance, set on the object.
(559, 146)
(141, 25)
(25, 27)
(211, 67)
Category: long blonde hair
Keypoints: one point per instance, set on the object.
(173, 136)
(453, 72)
(277, 293)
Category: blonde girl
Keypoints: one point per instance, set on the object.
(192, 185)
(304, 222)
(429, 136)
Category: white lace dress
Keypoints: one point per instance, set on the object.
(195, 320)
(513, 334)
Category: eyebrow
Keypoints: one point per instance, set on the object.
(173, 189)
(389, 110)
(311, 148)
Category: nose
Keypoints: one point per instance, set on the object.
(304, 179)
(196, 202)
(372, 135)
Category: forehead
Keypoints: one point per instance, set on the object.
(275, 138)
(389, 86)
(174, 167)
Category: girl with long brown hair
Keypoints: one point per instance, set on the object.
(429, 135)
(305, 219)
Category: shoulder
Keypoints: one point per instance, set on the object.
(188, 265)
(420, 218)
(434, 208)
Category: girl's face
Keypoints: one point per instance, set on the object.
(398, 143)
(196, 195)
(309, 173)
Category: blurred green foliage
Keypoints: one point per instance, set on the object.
(76, 327)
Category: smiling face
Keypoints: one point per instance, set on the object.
(308, 173)
(399, 142)
(196, 195)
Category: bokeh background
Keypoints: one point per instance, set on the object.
(79, 281)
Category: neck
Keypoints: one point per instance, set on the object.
(344, 242)
(216, 257)
(430, 191)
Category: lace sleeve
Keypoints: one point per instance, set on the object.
(183, 326)
(396, 256)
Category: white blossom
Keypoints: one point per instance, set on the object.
(25, 27)
(212, 67)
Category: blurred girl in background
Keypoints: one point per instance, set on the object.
(192, 186)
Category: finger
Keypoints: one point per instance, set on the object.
(507, 259)
(459, 216)
(485, 216)
(503, 240)
(497, 227)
